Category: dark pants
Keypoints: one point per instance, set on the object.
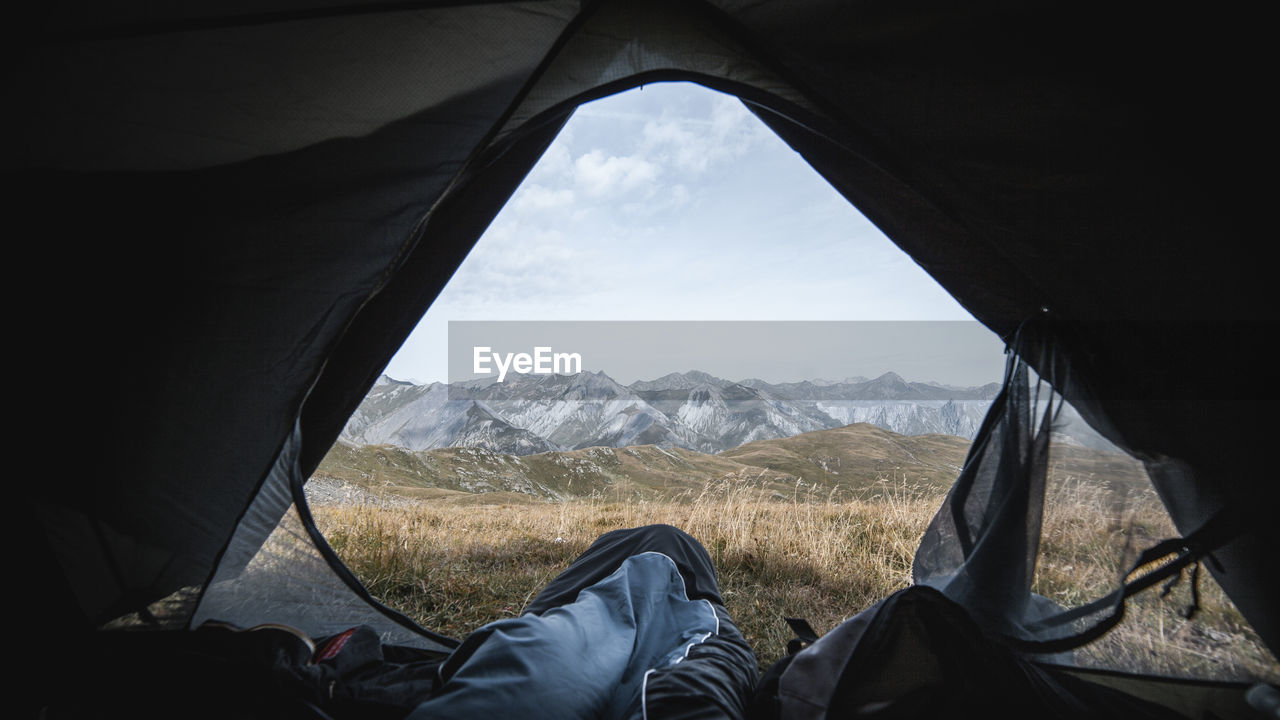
(718, 676)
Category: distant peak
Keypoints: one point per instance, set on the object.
(680, 381)
(706, 378)
(597, 375)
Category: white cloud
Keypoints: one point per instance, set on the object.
(734, 129)
(676, 143)
(537, 197)
(556, 163)
(679, 195)
(599, 175)
(694, 145)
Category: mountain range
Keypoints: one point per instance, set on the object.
(531, 414)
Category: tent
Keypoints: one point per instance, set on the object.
(238, 211)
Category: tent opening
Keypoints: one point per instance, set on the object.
(671, 203)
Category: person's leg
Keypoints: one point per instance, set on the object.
(715, 681)
(718, 675)
(608, 552)
(633, 628)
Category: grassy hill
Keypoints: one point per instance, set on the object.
(839, 463)
(854, 456)
(843, 461)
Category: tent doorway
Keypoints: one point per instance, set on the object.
(603, 228)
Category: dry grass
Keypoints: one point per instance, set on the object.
(1093, 534)
(454, 567)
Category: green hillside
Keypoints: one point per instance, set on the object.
(842, 461)
(856, 455)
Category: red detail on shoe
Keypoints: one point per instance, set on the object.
(334, 645)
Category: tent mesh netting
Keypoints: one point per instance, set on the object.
(1052, 533)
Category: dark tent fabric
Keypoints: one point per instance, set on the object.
(236, 212)
(918, 654)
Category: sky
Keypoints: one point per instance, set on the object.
(671, 202)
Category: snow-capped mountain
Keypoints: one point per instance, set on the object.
(911, 417)
(529, 414)
(583, 410)
(422, 417)
(730, 415)
(679, 381)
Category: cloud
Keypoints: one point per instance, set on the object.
(599, 175)
(679, 195)
(520, 268)
(676, 143)
(556, 163)
(538, 197)
(695, 145)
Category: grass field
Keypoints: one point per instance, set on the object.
(454, 563)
